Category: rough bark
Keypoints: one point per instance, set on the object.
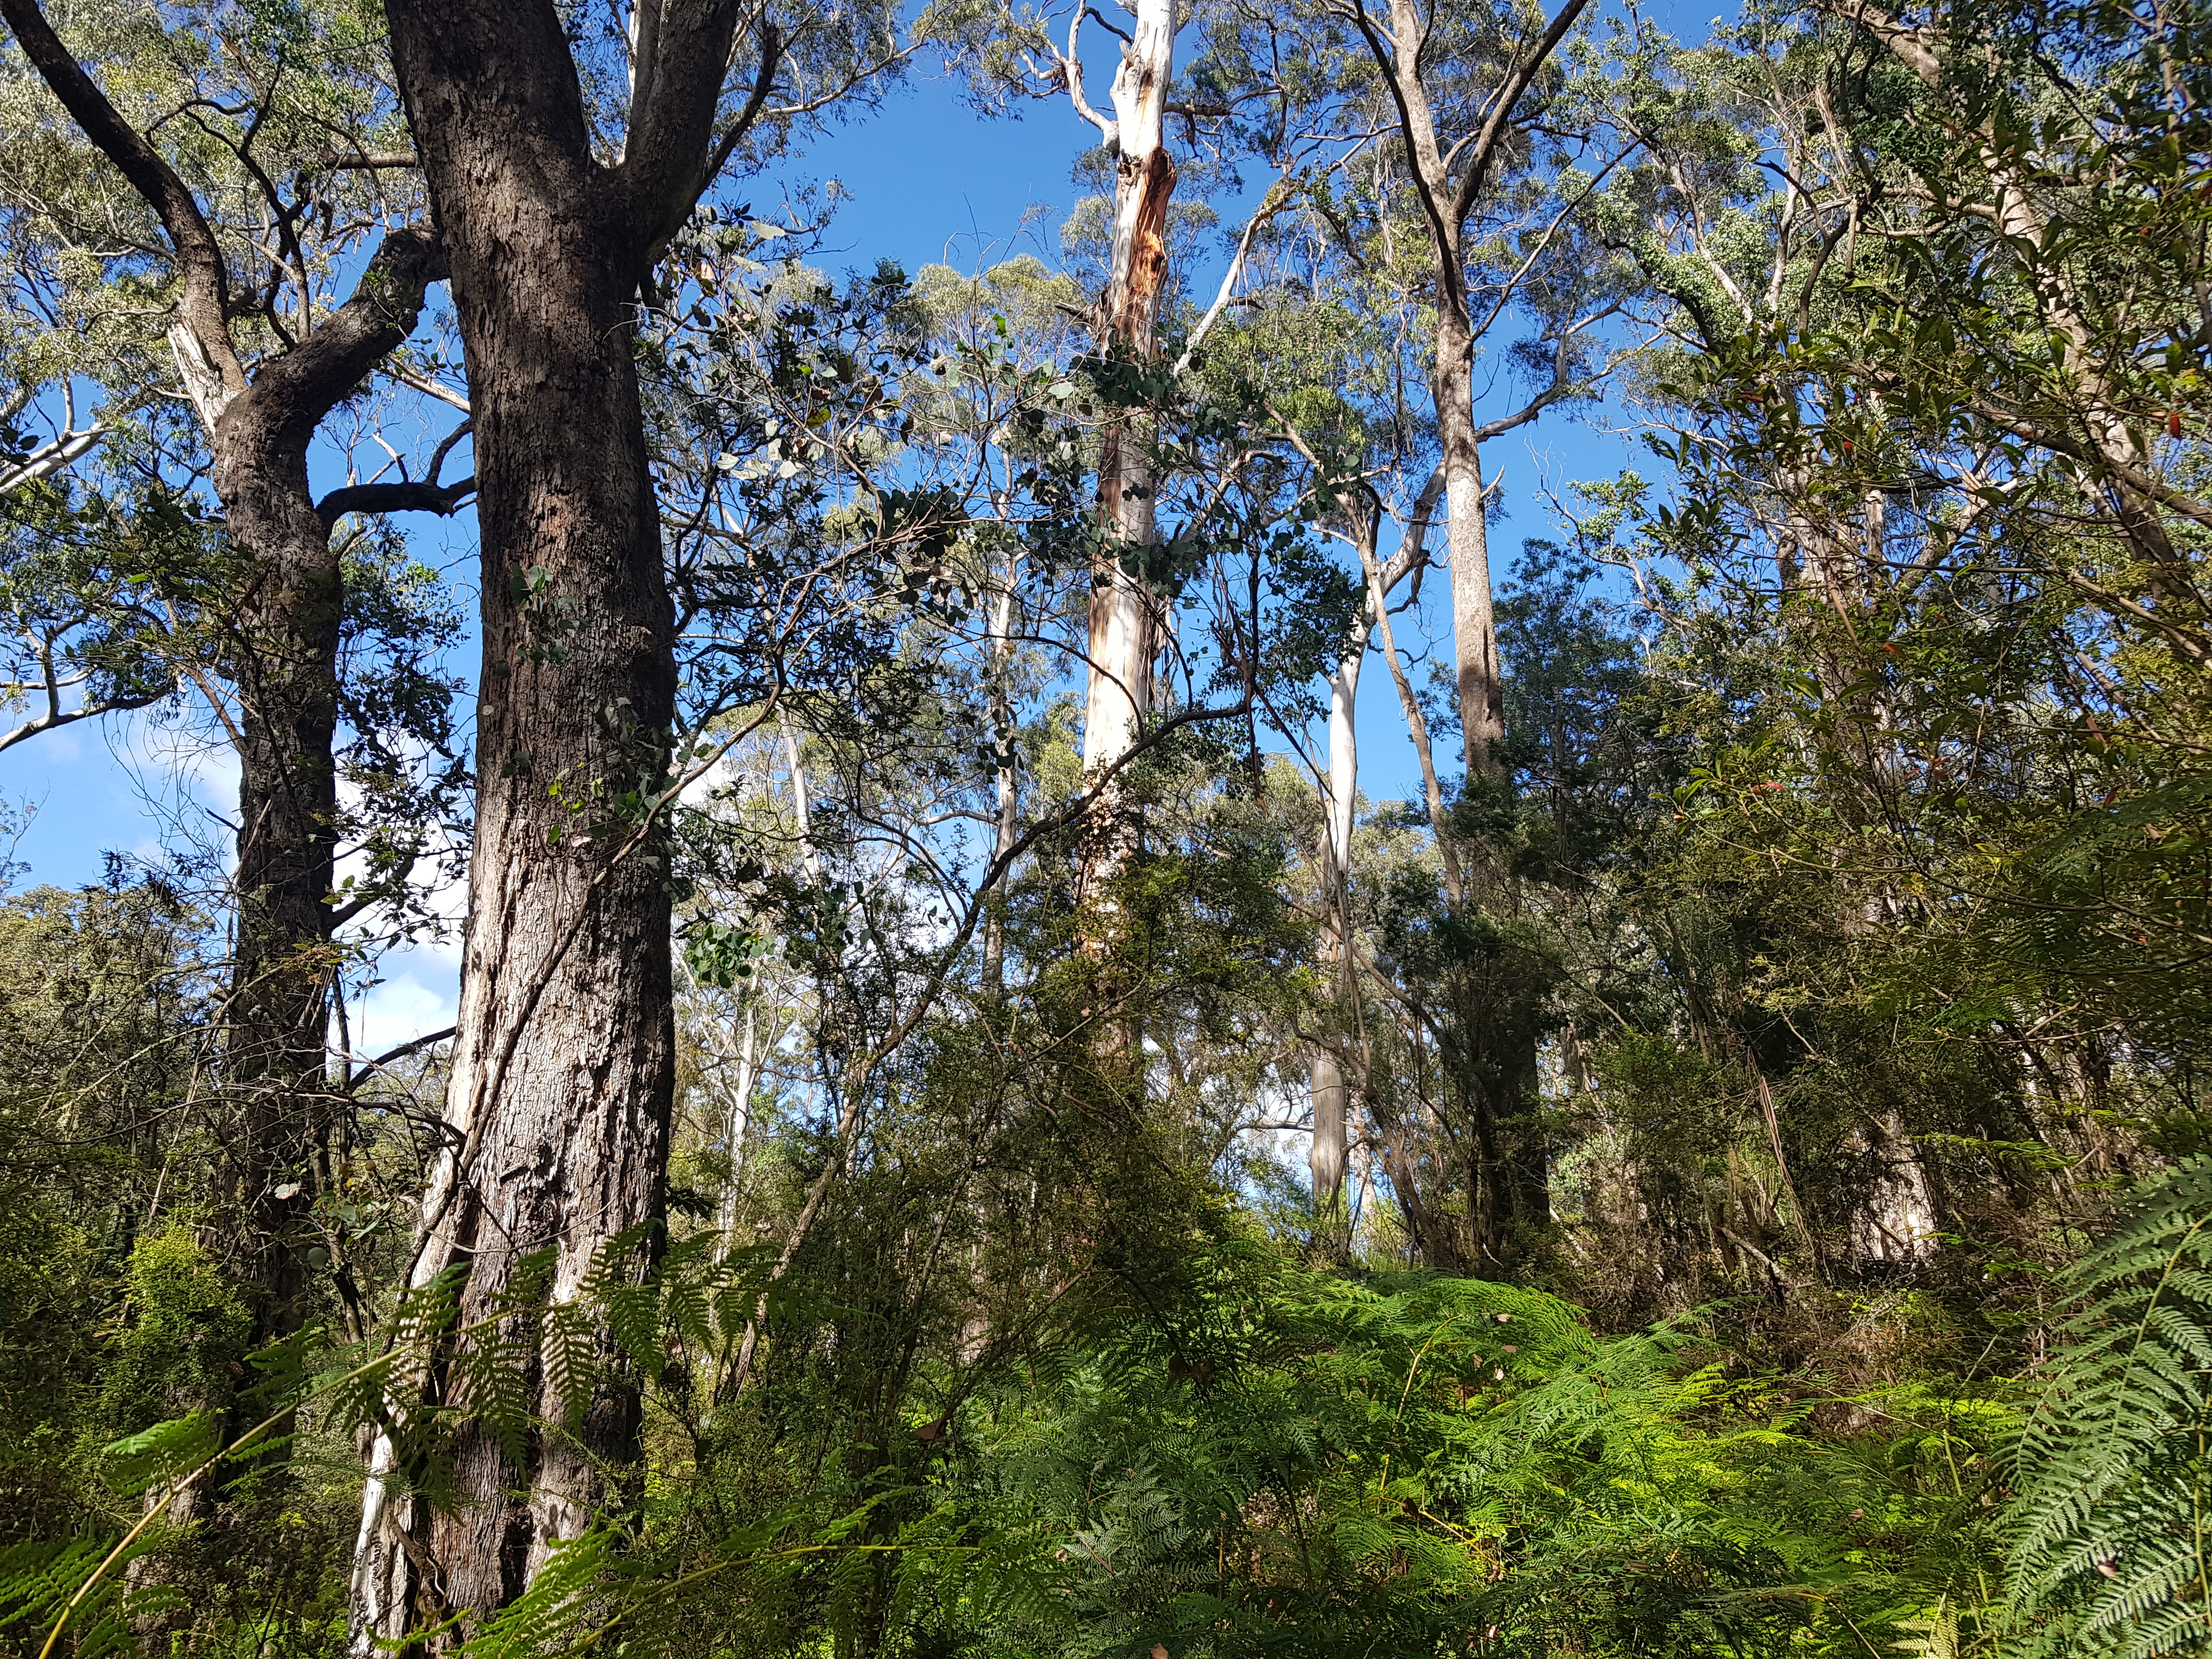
(1895, 1221)
(562, 1076)
(283, 659)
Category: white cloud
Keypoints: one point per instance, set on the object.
(421, 996)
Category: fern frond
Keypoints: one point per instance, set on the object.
(2111, 1523)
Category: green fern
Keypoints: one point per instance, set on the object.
(73, 1584)
(2114, 1517)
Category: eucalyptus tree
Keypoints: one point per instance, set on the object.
(1930, 297)
(1449, 167)
(1125, 627)
(194, 226)
(563, 166)
(1464, 164)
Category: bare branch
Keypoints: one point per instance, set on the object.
(444, 500)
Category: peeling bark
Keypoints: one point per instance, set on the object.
(1124, 624)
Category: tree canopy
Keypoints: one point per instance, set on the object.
(970, 1124)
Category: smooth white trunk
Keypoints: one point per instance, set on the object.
(1123, 626)
(1007, 786)
(1474, 615)
(810, 857)
(1325, 1071)
(737, 1109)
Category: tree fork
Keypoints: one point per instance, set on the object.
(564, 1070)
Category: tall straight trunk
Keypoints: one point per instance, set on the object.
(1449, 176)
(1331, 1099)
(1123, 623)
(1449, 173)
(562, 1076)
(281, 656)
(1480, 680)
(1007, 795)
(1330, 1091)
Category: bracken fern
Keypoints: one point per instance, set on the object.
(2112, 1519)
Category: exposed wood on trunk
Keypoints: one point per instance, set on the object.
(1124, 624)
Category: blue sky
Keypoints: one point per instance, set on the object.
(926, 181)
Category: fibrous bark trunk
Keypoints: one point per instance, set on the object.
(281, 640)
(562, 1074)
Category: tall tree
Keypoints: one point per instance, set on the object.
(1125, 620)
(263, 378)
(1456, 138)
(558, 1107)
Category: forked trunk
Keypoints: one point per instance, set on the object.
(563, 1074)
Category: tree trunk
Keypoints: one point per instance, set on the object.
(1325, 1069)
(563, 1077)
(283, 658)
(738, 1119)
(1123, 626)
(1006, 786)
(1474, 619)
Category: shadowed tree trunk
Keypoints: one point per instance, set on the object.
(282, 646)
(563, 1064)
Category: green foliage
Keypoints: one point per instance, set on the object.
(185, 1327)
(2113, 1520)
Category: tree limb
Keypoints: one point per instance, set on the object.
(684, 55)
(1501, 114)
(213, 374)
(441, 499)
